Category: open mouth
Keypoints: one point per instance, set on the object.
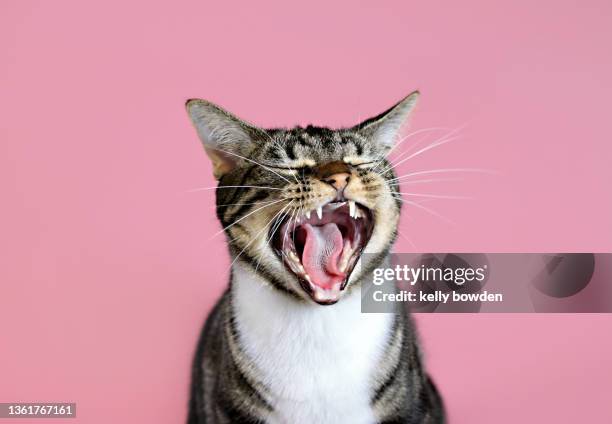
(322, 246)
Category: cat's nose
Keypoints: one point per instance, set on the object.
(339, 181)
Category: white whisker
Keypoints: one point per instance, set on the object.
(244, 204)
(255, 162)
(407, 239)
(294, 212)
(438, 142)
(398, 143)
(432, 180)
(276, 225)
(426, 209)
(297, 216)
(232, 186)
(247, 215)
(441, 140)
(420, 151)
(259, 233)
(438, 171)
(277, 144)
(436, 196)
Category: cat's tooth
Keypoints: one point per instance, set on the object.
(342, 265)
(336, 205)
(347, 252)
(307, 213)
(352, 209)
(320, 212)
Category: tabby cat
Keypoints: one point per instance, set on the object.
(287, 342)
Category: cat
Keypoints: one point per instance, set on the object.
(287, 342)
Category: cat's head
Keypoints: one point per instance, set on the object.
(300, 206)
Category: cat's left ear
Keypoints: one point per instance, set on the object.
(227, 139)
(383, 129)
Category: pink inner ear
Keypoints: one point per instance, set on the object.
(222, 163)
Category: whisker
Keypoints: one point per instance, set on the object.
(298, 218)
(297, 215)
(440, 141)
(426, 209)
(287, 227)
(232, 186)
(403, 139)
(255, 162)
(277, 144)
(432, 180)
(436, 196)
(259, 233)
(421, 140)
(420, 151)
(407, 239)
(444, 170)
(275, 227)
(243, 204)
(247, 215)
(397, 144)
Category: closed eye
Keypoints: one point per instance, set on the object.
(364, 164)
(288, 169)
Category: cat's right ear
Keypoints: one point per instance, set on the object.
(384, 128)
(226, 138)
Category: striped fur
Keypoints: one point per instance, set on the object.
(268, 353)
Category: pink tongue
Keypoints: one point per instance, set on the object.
(322, 249)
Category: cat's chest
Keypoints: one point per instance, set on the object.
(317, 361)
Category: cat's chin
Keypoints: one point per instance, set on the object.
(321, 247)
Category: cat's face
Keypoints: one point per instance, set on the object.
(301, 206)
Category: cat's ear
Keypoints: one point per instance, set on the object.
(383, 129)
(227, 139)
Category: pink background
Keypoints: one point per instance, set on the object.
(106, 265)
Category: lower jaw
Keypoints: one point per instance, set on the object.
(323, 296)
(333, 291)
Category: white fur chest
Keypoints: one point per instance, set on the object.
(316, 360)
